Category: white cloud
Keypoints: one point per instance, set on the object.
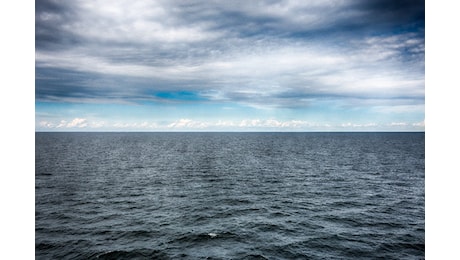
(133, 126)
(419, 124)
(186, 124)
(61, 124)
(46, 124)
(97, 124)
(361, 126)
(74, 123)
(241, 124)
(398, 124)
(77, 122)
(133, 22)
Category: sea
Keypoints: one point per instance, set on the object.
(357, 195)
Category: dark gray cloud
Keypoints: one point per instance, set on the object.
(303, 18)
(51, 17)
(401, 14)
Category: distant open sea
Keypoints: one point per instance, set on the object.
(229, 195)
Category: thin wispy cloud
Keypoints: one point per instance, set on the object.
(255, 124)
(330, 57)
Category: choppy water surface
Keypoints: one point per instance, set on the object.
(229, 195)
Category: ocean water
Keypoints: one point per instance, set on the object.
(230, 195)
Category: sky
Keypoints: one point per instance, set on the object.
(342, 65)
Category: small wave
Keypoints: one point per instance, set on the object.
(44, 246)
(391, 247)
(45, 174)
(130, 235)
(254, 257)
(279, 214)
(401, 250)
(236, 201)
(134, 254)
(267, 227)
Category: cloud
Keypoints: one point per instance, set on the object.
(419, 124)
(46, 125)
(350, 125)
(130, 126)
(182, 124)
(398, 124)
(77, 122)
(186, 124)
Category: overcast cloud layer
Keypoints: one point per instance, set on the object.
(230, 65)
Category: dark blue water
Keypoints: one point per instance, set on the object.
(229, 195)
